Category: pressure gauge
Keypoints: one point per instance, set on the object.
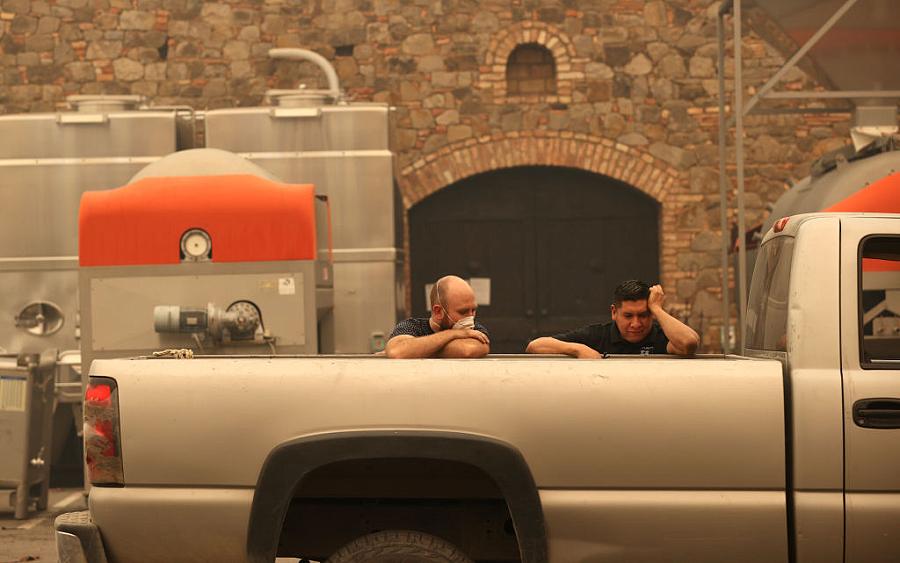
(196, 246)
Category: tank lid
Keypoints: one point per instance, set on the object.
(103, 104)
(301, 97)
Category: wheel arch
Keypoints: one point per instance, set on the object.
(290, 462)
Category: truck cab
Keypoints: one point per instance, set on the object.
(825, 301)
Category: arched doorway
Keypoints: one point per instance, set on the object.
(553, 241)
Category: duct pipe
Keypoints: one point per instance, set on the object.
(293, 54)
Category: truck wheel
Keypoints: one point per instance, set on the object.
(399, 546)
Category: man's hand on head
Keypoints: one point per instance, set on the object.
(656, 299)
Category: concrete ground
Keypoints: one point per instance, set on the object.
(32, 539)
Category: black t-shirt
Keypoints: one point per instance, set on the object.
(606, 339)
(421, 327)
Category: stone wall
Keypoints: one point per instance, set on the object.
(635, 95)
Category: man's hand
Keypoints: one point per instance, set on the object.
(550, 345)
(656, 299)
(683, 340)
(583, 352)
(472, 333)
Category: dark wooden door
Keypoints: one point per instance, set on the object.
(553, 241)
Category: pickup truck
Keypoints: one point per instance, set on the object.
(790, 453)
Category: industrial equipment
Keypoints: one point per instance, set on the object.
(26, 415)
(204, 250)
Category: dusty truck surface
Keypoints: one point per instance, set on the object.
(790, 453)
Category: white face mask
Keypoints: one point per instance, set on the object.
(465, 322)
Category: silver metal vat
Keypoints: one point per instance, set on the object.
(311, 136)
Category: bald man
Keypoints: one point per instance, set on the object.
(450, 332)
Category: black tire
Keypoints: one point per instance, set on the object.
(399, 546)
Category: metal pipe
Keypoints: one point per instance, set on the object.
(835, 94)
(723, 192)
(792, 62)
(294, 54)
(739, 162)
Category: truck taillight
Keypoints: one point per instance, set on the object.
(102, 450)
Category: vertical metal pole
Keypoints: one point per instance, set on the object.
(739, 162)
(723, 188)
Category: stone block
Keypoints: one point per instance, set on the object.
(434, 142)
(639, 65)
(236, 50)
(418, 44)
(704, 179)
(16, 6)
(706, 241)
(127, 70)
(702, 67)
(672, 66)
(155, 72)
(598, 71)
(144, 88)
(443, 79)
(137, 20)
(421, 119)
(23, 25)
(662, 89)
(40, 43)
(217, 14)
(104, 50)
(617, 55)
(675, 156)
(249, 33)
(655, 13)
(215, 88)
(430, 63)
(458, 133)
(80, 72)
(28, 59)
(448, 117)
(485, 22)
(632, 139)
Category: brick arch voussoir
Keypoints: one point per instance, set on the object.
(543, 34)
(461, 160)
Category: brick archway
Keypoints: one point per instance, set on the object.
(458, 161)
(466, 158)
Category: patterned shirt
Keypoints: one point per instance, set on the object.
(421, 327)
(606, 339)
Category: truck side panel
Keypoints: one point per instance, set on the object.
(163, 525)
(686, 451)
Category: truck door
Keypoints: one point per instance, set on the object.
(870, 356)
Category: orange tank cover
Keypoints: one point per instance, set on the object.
(881, 196)
(248, 219)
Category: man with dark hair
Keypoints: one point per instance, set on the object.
(450, 332)
(639, 325)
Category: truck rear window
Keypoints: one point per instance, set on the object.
(879, 301)
(767, 307)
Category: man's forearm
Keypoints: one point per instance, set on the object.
(464, 348)
(550, 345)
(682, 337)
(419, 347)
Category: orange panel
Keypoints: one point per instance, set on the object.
(248, 218)
(881, 196)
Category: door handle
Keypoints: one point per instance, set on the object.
(529, 313)
(877, 413)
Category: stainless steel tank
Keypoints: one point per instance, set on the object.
(312, 136)
(47, 160)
